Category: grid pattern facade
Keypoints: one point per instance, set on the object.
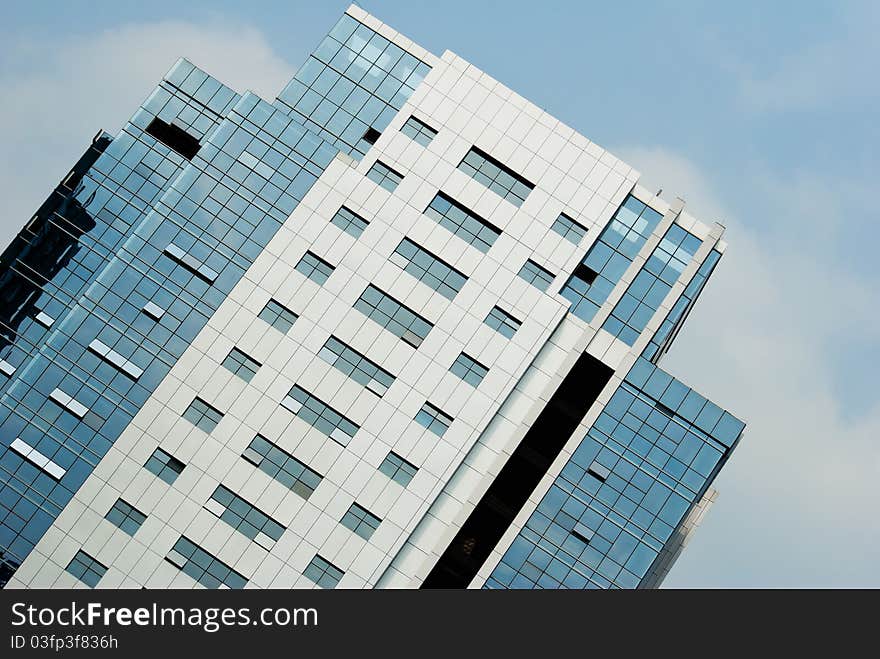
(355, 80)
(359, 494)
(641, 467)
(650, 287)
(607, 260)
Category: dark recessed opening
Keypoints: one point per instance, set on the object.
(580, 536)
(174, 138)
(668, 411)
(371, 135)
(587, 274)
(518, 478)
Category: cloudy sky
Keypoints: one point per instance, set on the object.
(763, 118)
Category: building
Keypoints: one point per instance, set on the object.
(396, 328)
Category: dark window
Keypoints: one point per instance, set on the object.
(585, 273)
(371, 135)
(174, 138)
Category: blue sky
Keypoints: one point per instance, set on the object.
(762, 116)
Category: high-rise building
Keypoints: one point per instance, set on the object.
(398, 327)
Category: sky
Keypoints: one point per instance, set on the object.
(762, 116)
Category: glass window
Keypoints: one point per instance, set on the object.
(398, 469)
(651, 285)
(393, 316)
(323, 572)
(203, 566)
(282, 466)
(317, 413)
(434, 419)
(418, 131)
(499, 178)
(244, 517)
(502, 322)
(609, 257)
(164, 465)
(350, 222)
(278, 316)
(86, 569)
(536, 275)
(469, 369)
(125, 516)
(202, 415)
(242, 365)
(464, 223)
(569, 229)
(383, 175)
(315, 268)
(356, 366)
(427, 268)
(361, 521)
(191, 263)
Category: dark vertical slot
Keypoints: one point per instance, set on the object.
(518, 478)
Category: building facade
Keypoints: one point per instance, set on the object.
(397, 328)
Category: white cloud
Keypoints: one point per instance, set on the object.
(807, 74)
(96, 82)
(798, 498)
